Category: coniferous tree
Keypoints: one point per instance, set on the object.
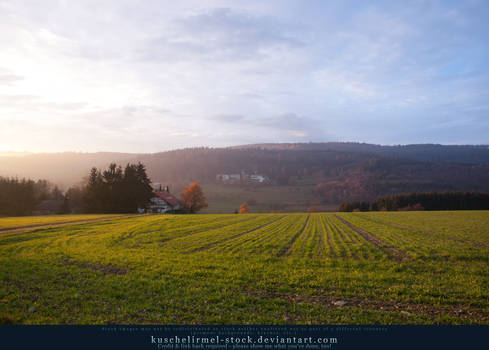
(117, 191)
(93, 200)
(112, 188)
(144, 189)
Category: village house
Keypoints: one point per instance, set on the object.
(229, 178)
(258, 178)
(241, 178)
(163, 202)
(222, 177)
(235, 177)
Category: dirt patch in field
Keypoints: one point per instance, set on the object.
(463, 312)
(105, 269)
(210, 245)
(286, 250)
(441, 235)
(393, 252)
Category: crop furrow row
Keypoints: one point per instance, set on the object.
(210, 245)
(337, 237)
(192, 241)
(392, 251)
(286, 249)
(409, 241)
(255, 243)
(350, 244)
(315, 244)
(207, 229)
(364, 248)
(300, 246)
(438, 235)
(326, 236)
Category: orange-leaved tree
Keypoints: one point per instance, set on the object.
(243, 209)
(193, 198)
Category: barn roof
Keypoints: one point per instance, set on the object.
(167, 197)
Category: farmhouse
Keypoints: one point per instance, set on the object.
(240, 178)
(258, 178)
(230, 178)
(222, 177)
(163, 202)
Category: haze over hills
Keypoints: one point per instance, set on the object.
(64, 169)
(339, 171)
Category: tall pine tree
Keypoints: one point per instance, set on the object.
(118, 191)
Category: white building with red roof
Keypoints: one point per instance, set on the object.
(163, 202)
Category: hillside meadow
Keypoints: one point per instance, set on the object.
(318, 268)
(225, 199)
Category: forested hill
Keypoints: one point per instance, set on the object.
(339, 171)
(468, 154)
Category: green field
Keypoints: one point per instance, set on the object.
(7, 223)
(329, 268)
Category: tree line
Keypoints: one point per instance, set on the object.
(114, 190)
(21, 196)
(448, 200)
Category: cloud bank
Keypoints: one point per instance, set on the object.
(145, 77)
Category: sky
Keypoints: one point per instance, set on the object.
(148, 76)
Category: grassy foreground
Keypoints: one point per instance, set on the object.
(7, 223)
(345, 268)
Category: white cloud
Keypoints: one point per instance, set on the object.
(174, 74)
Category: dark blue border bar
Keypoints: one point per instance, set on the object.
(243, 337)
